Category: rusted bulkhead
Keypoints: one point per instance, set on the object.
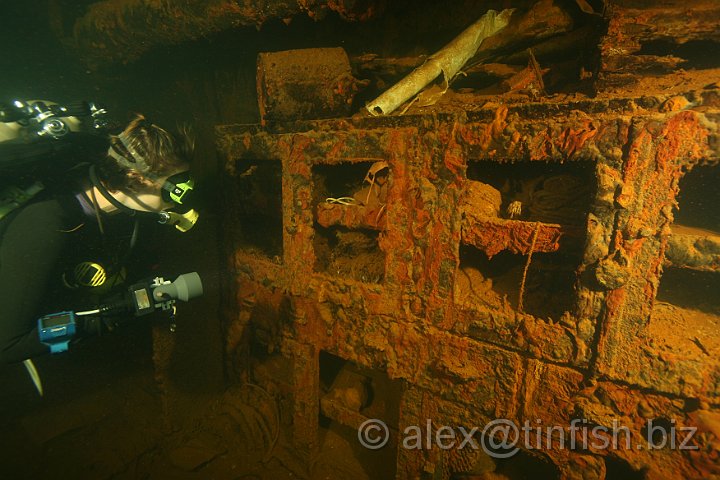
(500, 258)
(436, 316)
(120, 31)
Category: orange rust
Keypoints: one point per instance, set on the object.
(454, 157)
(572, 140)
(494, 236)
(540, 146)
(449, 327)
(681, 141)
(352, 216)
(491, 131)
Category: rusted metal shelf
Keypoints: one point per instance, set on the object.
(493, 235)
(694, 249)
(351, 216)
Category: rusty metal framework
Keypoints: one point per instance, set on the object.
(464, 307)
(461, 359)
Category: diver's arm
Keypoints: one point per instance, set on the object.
(30, 247)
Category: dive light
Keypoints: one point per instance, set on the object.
(161, 294)
(57, 329)
(149, 296)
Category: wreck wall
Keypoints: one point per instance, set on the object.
(421, 321)
(481, 311)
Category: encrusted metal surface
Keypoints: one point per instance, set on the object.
(120, 31)
(474, 356)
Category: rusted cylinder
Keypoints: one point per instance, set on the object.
(304, 84)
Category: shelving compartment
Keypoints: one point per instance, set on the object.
(550, 193)
(695, 239)
(686, 313)
(350, 213)
(522, 236)
(351, 395)
(497, 283)
(258, 208)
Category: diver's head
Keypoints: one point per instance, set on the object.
(147, 167)
(143, 156)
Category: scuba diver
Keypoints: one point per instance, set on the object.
(90, 179)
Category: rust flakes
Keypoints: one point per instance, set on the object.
(514, 143)
(541, 145)
(637, 158)
(495, 129)
(485, 135)
(336, 150)
(680, 141)
(572, 140)
(358, 11)
(303, 199)
(454, 361)
(614, 303)
(454, 156)
(297, 158)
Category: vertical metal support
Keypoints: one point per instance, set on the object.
(306, 405)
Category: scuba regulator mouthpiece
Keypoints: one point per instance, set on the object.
(179, 188)
(181, 221)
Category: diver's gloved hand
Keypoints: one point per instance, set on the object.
(97, 325)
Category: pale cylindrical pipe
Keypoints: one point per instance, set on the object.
(447, 61)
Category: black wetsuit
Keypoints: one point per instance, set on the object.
(33, 241)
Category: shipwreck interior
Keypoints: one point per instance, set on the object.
(433, 218)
